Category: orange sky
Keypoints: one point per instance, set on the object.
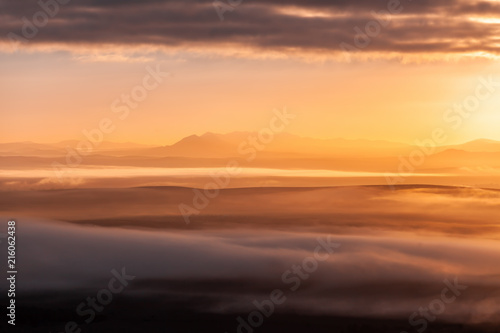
(52, 97)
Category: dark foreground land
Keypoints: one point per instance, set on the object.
(151, 315)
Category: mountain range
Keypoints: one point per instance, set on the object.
(212, 145)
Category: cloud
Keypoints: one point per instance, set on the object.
(299, 28)
(383, 275)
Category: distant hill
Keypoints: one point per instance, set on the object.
(477, 146)
(283, 146)
(28, 148)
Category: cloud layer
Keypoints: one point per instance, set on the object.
(383, 275)
(298, 27)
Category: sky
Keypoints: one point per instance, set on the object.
(63, 68)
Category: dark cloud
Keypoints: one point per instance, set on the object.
(377, 275)
(423, 26)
